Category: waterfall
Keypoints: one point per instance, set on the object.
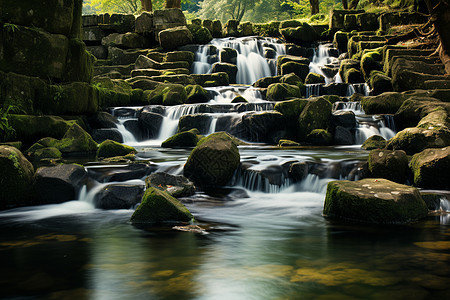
(313, 89)
(127, 136)
(251, 63)
(372, 125)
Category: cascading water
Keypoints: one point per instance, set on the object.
(252, 63)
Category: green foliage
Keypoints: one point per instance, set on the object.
(7, 132)
(10, 27)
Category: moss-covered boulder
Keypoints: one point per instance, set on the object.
(378, 201)
(166, 94)
(282, 59)
(200, 34)
(245, 29)
(380, 83)
(196, 94)
(43, 153)
(374, 142)
(239, 99)
(230, 69)
(111, 148)
(303, 33)
(301, 70)
(210, 80)
(76, 139)
(159, 207)
(282, 91)
(217, 29)
(291, 109)
(264, 126)
(230, 29)
(172, 38)
(319, 137)
(370, 62)
(388, 164)
(414, 140)
(266, 81)
(59, 184)
(16, 177)
(213, 161)
(183, 139)
(176, 185)
(346, 65)
(315, 115)
(386, 103)
(431, 168)
(314, 78)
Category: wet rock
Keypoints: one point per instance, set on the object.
(177, 56)
(228, 55)
(196, 94)
(291, 109)
(301, 70)
(245, 29)
(129, 40)
(168, 18)
(370, 62)
(149, 124)
(198, 121)
(119, 196)
(173, 38)
(16, 177)
(346, 65)
(200, 34)
(342, 136)
(282, 91)
(374, 142)
(230, 69)
(167, 94)
(430, 168)
(102, 120)
(121, 173)
(217, 29)
(353, 75)
(380, 83)
(386, 103)
(344, 119)
(183, 139)
(176, 185)
(110, 148)
(302, 34)
(314, 78)
(319, 137)
(378, 201)
(262, 125)
(282, 59)
(144, 23)
(213, 161)
(230, 29)
(210, 80)
(337, 17)
(239, 99)
(59, 183)
(101, 135)
(315, 115)
(158, 206)
(298, 171)
(266, 81)
(414, 140)
(388, 164)
(415, 108)
(99, 52)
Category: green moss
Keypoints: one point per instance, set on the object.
(388, 164)
(200, 34)
(291, 109)
(166, 94)
(386, 103)
(282, 91)
(314, 78)
(79, 63)
(196, 94)
(315, 115)
(182, 140)
(430, 168)
(370, 62)
(158, 206)
(111, 148)
(319, 137)
(374, 142)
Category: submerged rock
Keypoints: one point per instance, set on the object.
(431, 168)
(158, 206)
(16, 177)
(213, 161)
(378, 201)
(176, 185)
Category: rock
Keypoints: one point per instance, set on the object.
(245, 29)
(370, 62)
(337, 89)
(388, 164)
(231, 28)
(291, 109)
(301, 70)
(282, 91)
(176, 185)
(262, 125)
(298, 171)
(302, 34)
(378, 201)
(173, 38)
(102, 119)
(414, 140)
(374, 142)
(282, 59)
(144, 23)
(59, 184)
(287, 143)
(121, 23)
(76, 139)
(99, 52)
(395, 18)
(319, 137)
(342, 136)
(314, 78)
(110, 148)
(196, 94)
(353, 76)
(43, 153)
(266, 81)
(230, 69)
(380, 83)
(386, 103)
(367, 21)
(93, 35)
(129, 40)
(200, 34)
(239, 99)
(217, 29)
(211, 80)
(344, 119)
(166, 94)
(119, 56)
(16, 177)
(118, 196)
(177, 56)
(199, 121)
(228, 55)
(267, 29)
(269, 53)
(430, 168)
(144, 62)
(103, 134)
(158, 206)
(167, 18)
(183, 139)
(315, 115)
(213, 161)
(346, 65)
(337, 17)
(340, 41)
(293, 79)
(414, 108)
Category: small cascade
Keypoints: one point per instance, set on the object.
(323, 60)
(360, 88)
(349, 106)
(227, 94)
(127, 136)
(253, 181)
(372, 125)
(251, 61)
(313, 89)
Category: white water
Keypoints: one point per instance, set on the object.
(251, 63)
(128, 137)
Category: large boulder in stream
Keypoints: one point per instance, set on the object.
(374, 142)
(159, 207)
(16, 177)
(183, 139)
(386, 103)
(282, 91)
(378, 201)
(59, 183)
(119, 196)
(315, 115)
(431, 168)
(389, 164)
(111, 148)
(213, 161)
(176, 185)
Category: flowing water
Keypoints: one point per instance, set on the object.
(264, 234)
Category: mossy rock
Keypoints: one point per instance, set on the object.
(16, 177)
(287, 143)
(370, 62)
(282, 59)
(315, 115)
(200, 34)
(431, 168)
(47, 152)
(414, 140)
(386, 103)
(319, 137)
(282, 91)
(79, 63)
(183, 139)
(380, 83)
(196, 94)
(303, 34)
(213, 161)
(239, 99)
(166, 94)
(353, 75)
(291, 109)
(176, 185)
(211, 80)
(111, 148)
(377, 201)
(301, 70)
(314, 78)
(76, 139)
(388, 164)
(159, 207)
(374, 142)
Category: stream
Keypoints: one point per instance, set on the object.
(264, 234)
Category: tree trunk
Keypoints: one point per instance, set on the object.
(172, 3)
(353, 4)
(146, 5)
(345, 4)
(314, 7)
(440, 16)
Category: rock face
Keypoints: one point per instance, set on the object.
(378, 201)
(111, 148)
(59, 184)
(389, 164)
(213, 161)
(119, 196)
(431, 168)
(173, 38)
(158, 206)
(16, 178)
(175, 185)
